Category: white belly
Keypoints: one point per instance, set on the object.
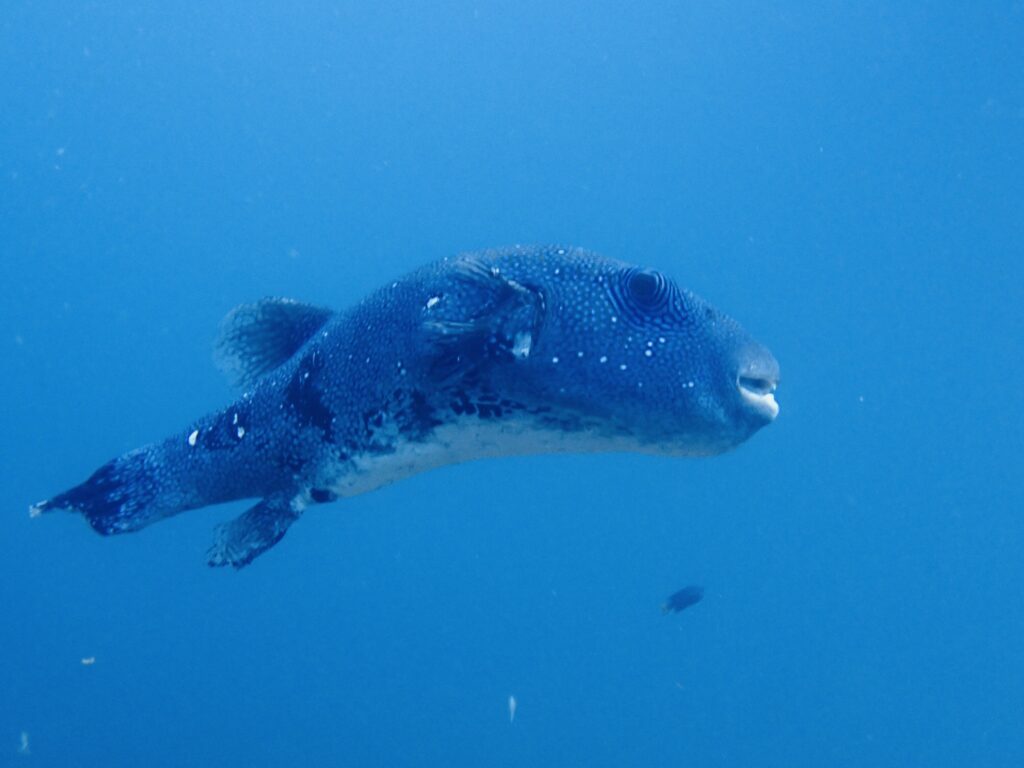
(456, 443)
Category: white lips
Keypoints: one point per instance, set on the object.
(763, 402)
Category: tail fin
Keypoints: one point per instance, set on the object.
(123, 495)
(214, 461)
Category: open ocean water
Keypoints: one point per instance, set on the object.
(846, 179)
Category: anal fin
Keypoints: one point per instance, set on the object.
(238, 542)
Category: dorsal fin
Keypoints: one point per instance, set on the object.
(257, 338)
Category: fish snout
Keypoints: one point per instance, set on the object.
(756, 381)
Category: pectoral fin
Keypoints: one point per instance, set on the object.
(484, 317)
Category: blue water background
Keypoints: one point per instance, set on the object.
(847, 179)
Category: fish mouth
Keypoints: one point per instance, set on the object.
(758, 392)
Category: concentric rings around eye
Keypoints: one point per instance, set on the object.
(645, 297)
(649, 289)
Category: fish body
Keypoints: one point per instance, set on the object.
(683, 599)
(494, 353)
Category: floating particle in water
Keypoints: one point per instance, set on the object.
(23, 746)
(511, 709)
(88, 661)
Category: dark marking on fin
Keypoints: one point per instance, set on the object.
(257, 338)
(238, 542)
(119, 497)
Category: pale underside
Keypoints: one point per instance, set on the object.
(457, 443)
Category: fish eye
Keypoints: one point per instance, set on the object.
(648, 288)
(645, 298)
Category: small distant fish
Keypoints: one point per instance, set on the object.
(683, 599)
(511, 709)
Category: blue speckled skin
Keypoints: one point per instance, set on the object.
(506, 351)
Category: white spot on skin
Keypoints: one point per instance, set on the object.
(234, 419)
(432, 301)
(579, 354)
(661, 339)
(622, 366)
(521, 345)
(647, 353)
(554, 359)
(604, 359)
(241, 432)
(193, 437)
(615, 319)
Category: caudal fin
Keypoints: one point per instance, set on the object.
(121, 496)
(209, 463)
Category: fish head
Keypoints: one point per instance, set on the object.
(636, 356)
